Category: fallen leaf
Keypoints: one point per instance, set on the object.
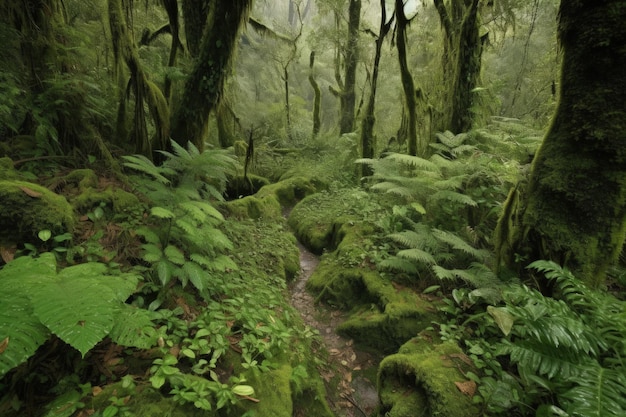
(95, 391)
(31, 193)
(7, 253)
(4, 344)
(467, 387)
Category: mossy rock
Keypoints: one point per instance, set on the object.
(273, 389)
(253, 207)
(7, 171)
(420, 380)
(115, 199)
(26, 208)
(290, 190)
(239, 186)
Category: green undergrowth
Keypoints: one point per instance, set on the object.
(383, 315)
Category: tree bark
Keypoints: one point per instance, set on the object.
(461, 63)
(367, 128)
(348, 95)
(317, 100)
(407, 79)
(574, 208)
(205, 84)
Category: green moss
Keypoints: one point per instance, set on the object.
(289, 191)
(273, 388)
(83, 178)
(421, 381)
(22, 215)
(239, 186)
(7, 171)
(118, 200)
(254, 207)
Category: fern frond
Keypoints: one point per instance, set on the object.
(195, 274)
(413, 161)
(142, 164)
(458, 243)
(417, 255)
(466, 275)
(541, 362)
(460, 150)
(599, 392)
(20, 328)
(200, 209)
(454, 197)
(408, 238)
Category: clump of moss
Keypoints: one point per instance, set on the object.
(290, 190)
(239, 186)
(26, 208)
(253, 207)
(420, 380)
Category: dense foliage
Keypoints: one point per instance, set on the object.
(130, 285)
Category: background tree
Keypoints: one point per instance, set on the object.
(204, 86)
(369, 119)
(347, 55)
(408, 85)
(462, 53)
(573, 210)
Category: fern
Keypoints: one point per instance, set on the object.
(183, 216)
(80, 305)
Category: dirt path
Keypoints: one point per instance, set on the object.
(355, 395)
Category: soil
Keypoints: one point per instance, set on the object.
(352, 393)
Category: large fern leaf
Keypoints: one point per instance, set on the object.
(79, 311)
(21, 333)
(599, 392)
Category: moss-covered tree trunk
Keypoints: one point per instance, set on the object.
(574, 208)
(461, 63)
(348, 95)
(410, 100)
(205, 84)
(317, 100)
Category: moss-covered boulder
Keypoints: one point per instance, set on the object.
(7, 171)
(85, 192)
(424, 379)
(253, 207)
(26, 208)
(239, 186)
(289, 191)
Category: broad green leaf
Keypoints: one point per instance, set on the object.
(79, 311)
(44, 235)
(20, 331)
(503, 319)
(134, 328)
(243, 390)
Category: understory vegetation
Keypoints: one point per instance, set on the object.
(162, 171)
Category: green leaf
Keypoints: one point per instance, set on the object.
(134, 328)
(503, 318)
(196, 274)
(162, 213)
(243, 390)
(174, 255)
(22, 332)
(44, 235)
(79, 311)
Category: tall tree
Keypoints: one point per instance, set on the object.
(367, 127)
(573, 209)
(347, 55)
(204, 86)
(408, 85)
(461, 62)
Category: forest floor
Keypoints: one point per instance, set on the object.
(349, 381)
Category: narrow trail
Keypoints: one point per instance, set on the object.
(356, 395)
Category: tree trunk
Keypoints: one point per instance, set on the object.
(348, 95)
(407, 79)
(317, 100)
(367, 128)
(461, 63)
(574, 208)
(205, 84)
